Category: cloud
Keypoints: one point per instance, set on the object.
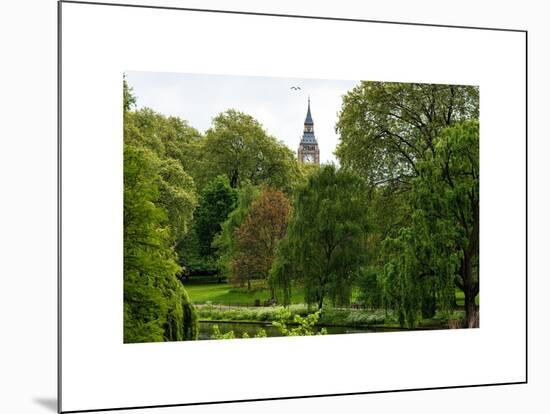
(198, 98)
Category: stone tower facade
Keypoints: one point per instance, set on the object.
(308, 151)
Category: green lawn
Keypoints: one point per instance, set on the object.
(460, 298)
(242, 308)
(226, 294)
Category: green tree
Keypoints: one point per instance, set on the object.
(225, 241)
(370, 287)
(440, 249)
(156, 306)
(391, 134)
(168, 138)
(326, 236)
(128, 97)
(416, 280)
(385, 128)
(283, 272)
(216, 201)
(158, 201)
(238, 147)
(447, 190)
(258, 236)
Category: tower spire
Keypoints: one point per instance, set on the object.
(308, 151)
(309, 119)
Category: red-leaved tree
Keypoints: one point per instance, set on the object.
(257, 237)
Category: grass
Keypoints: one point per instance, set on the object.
(460, 298)
(211, 297)
(226, 294)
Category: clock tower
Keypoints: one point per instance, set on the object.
(308, 151)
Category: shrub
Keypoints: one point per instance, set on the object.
(216, 333)
(305, 325)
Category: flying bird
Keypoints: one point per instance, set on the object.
(296, 88)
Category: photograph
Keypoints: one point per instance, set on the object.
(259, 207)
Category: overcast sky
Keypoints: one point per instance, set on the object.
(198, 98)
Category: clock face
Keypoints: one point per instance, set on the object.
(309, 158)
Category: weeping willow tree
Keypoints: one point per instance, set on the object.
(283, 272)
(440, 249)
(418, 279)
(325, 244)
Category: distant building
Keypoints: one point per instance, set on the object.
(308, 151)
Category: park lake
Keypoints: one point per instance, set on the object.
(227, 312)
(252, 329)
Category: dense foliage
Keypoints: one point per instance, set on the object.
(258, 236)
(325, 244)
(238, 147)
(158, 201)
(225, 241)
(386, 237)
(216, 202)
(417, 147)
(386, 128)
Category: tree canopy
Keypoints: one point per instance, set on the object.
(393, 229)
(239, 148)
(416, 145)
(159, 198)
(386, 128)
(156, 306)
(225, 241)
(258, 236)
(326, 236)
(439, 249)
(217, 200)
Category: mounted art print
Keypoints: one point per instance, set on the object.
(246, 195)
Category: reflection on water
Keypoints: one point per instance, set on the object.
(252, 329)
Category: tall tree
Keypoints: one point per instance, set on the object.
(440, 249)
(385, 127)
(128, 97)
(158, 202)
(169, 139)
(326, 236)
(216, 201)
(390, 133)
(258, 236)
(225, 242)
(448, 192)
(156, 306)
(238, 147)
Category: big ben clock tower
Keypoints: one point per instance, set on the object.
(308, 151)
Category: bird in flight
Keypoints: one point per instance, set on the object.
(296, 88)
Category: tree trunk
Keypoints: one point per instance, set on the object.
(248, 281)
(470, 293)
(234, 179)
(429, 304)
(320, 302)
